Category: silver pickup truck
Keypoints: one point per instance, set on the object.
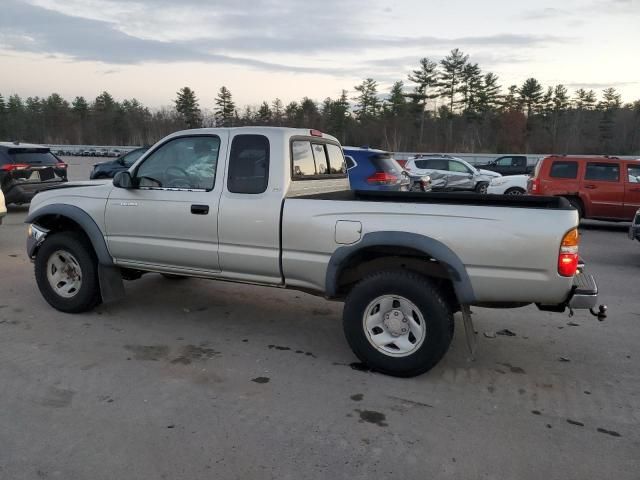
(272, 206)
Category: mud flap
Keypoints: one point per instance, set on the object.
(469, 332)
(111, 284)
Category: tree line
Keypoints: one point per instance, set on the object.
(449, 105)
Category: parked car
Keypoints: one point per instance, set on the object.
(27, 168)
(3, 207)
(371, 169)
(511, 165)
(115, 152)
(509, 185)
(450, 173)
(110, 168)
(266, 206)
(634, 229)
(603, 188)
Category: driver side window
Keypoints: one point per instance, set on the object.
(185, 163)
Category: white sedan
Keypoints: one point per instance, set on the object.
(509, 185)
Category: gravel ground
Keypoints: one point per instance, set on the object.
(202, 380)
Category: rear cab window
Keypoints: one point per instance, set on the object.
(316, 159)
(602, 172)
(564, 169)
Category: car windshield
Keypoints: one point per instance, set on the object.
(32, 157)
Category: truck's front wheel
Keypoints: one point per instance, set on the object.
(67, 274)
(398, 323)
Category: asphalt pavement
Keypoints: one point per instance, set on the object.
(196, 379)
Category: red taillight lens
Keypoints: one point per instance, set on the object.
(534, 185)
(568, 256)
(382, 178)
(62, 165)
(315, 133)
(402, 162)
(13, 166)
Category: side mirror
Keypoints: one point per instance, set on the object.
(123, 180)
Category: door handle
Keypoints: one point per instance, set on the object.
(590, 187)
(199, 209)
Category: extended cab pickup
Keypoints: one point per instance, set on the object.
(272, 206)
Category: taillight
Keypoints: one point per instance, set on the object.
(402, 162)
(315, 133)
(13, 166)
(534, 185)
(62, 165)
(568, 256)
(382, 178)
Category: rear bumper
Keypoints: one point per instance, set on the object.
(23, 193)
(584, 293)
(583, 296)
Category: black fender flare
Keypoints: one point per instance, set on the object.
(429, 246)
(83, 219)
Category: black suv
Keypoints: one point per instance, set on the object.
(120, 164)
(25, 169)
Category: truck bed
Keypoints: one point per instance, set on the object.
(463, 198)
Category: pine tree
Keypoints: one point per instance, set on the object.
(396, 104)
(489, 94)
(264, 114)
(3, 118)
(531, 95)
(225, 108)
(426, 79)
(471, 86)
(451, 76)
(611, 99)
(511, 101)
(188, 108)
(277, 108)
(367, 103)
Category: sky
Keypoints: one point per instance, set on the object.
(266, 49)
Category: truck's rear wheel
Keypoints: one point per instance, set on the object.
(398, 323)
(67, 274)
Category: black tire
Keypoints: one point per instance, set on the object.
(171, 276)
(88, 295)
(482, 188)
(425, 296)
(515, 191)
(577, 204)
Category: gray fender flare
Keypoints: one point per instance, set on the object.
(110, 279)
(83, 219)
(427, 245)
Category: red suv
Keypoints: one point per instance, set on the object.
(605, 188)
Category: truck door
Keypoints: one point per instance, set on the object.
(249, 215)
(632, 190)
(603, 187)
(171, 217)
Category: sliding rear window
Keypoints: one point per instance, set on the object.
(33, 157)
(316, 159)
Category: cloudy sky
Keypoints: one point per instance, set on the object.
(262, 49)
